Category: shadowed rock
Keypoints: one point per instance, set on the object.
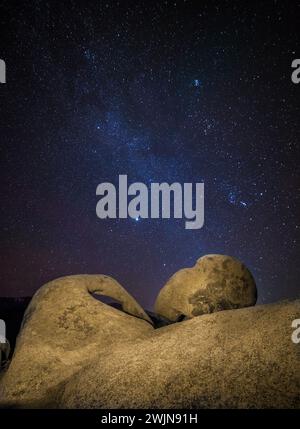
(4, 353)
(215, 283)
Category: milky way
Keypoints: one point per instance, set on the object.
(162, 92)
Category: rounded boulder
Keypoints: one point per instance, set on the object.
(215, 283)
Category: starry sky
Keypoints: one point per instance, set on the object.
(163, 91)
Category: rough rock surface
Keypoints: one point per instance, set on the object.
(215, 283)
(76, 352)
(237, 358)
(65, 328)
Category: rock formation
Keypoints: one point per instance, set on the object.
(215, 283)
(76, 352)
(64, 329)
(230, 359)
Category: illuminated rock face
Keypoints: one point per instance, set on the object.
(64, 329)
(215, 283)
(76, 352)
(230, 359)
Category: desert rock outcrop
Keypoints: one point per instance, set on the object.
(76, 352)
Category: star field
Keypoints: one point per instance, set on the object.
(163, 92)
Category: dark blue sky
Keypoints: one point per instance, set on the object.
(168, 91)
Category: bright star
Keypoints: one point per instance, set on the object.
(232, 197)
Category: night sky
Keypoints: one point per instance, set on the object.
(163, 91)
